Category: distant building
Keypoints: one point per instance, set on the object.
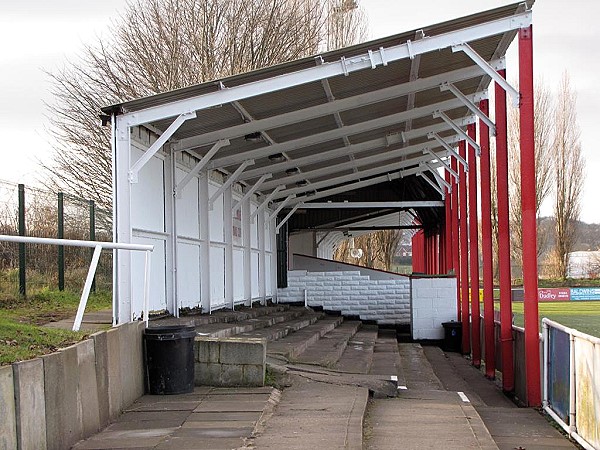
(584, 265)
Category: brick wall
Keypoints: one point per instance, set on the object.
(433, 303)
(353, 294)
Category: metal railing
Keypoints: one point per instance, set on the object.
(98, 247)
(572, 382)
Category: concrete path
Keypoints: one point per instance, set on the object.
(208, 418)
(92, 321)
(424, 416)
(510, 427)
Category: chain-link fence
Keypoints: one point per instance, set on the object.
(28, 268)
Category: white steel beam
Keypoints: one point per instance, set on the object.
(266, 202)
(414, 75)
(383, 142)
(442, 115)
(287, 217)
(353, 176)
(451, 150)
(344, 66)
(356, 163)
(440, 180)
(281, 205)
(450, 170)
(336, 106)
(198, 167)
(433, 184)
(378, 205)
(155, 147)
(251, 191)
(469, 104)
(336, 133)
(230, 180)
(477, 59)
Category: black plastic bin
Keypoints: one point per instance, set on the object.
(169, 356)
(452, 336)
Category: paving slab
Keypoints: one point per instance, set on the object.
(358, 355)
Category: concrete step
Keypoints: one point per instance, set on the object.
(295, 343)
(280, 330)
(328, 350)
(221, 316)
(386, 358)
(358, 355)
(227, 329)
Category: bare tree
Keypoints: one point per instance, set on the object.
(378, 249)
(161, 45)
(569, 173)
(543, 129)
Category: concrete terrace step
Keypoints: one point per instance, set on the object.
(295, 343)
(386, 358)
(227, 329)
(221, 316)
(281, 330)
(358, 355)
(328, 350)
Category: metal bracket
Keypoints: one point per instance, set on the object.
(287, 217)
(230, 180)
(450, 150)
(281, 205)
(265, 203)
(450, 170)
(251, 191)
(469, 104)
(433, 184)
(485, 66)
(198, 167)
(439, 179)
(154, 148)
(458, 130)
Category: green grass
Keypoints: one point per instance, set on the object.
(581, 315)
(21, 335)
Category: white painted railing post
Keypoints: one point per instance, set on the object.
(87, 287)
(147, 267)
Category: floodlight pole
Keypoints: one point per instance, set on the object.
(474, 248)
(528, 217)
(464, 255)
(506, 338)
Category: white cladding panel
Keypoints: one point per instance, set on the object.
(268, 226)
(158, 287)
(238, 274)
(215, 216)
(148, 195)
(187, 208)
(254, 276)
(236, 221)
(253, 228)
(188, 275)
(217, 275)
(269, 286)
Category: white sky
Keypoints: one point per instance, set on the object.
(40, 35)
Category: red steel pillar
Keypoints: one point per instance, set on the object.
(418, 251)
(528, 217)
(474, 250)
(455, 237)
(506, 338)
(486, 245)
(464, 256)
(448, 226)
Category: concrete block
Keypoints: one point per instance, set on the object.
(207, 374)
(422, 323)
(243, 351)
(54, 395)
(88, 388)
(207, 350)
(30, 405)
(132, 362)
(101, 352)
(253, 374)
(421, 283)
(115, 400)
(231, 375)
(71, 398)
(8, 424)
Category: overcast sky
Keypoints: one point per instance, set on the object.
(40, 35)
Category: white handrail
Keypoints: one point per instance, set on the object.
(98, 247)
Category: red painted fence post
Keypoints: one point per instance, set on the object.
(464, 256)
(455, 236)
(474, 250)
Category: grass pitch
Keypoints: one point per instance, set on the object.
(581, 315)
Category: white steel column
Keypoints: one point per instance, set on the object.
(122, 221)
(246, 229)
(228, 237)
(171, 226)
(205, 246)
(262, 260)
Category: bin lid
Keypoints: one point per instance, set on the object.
(170, 332)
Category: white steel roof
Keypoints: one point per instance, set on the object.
(344, 120)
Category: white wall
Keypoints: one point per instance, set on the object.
(433, 302)
(204, 257)
(384, 301)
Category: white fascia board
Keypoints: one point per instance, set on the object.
(353, 176)
(344, 66)
(378, 205)
(361, 127)
(338, 105)
(358, 162)
(354, 149)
